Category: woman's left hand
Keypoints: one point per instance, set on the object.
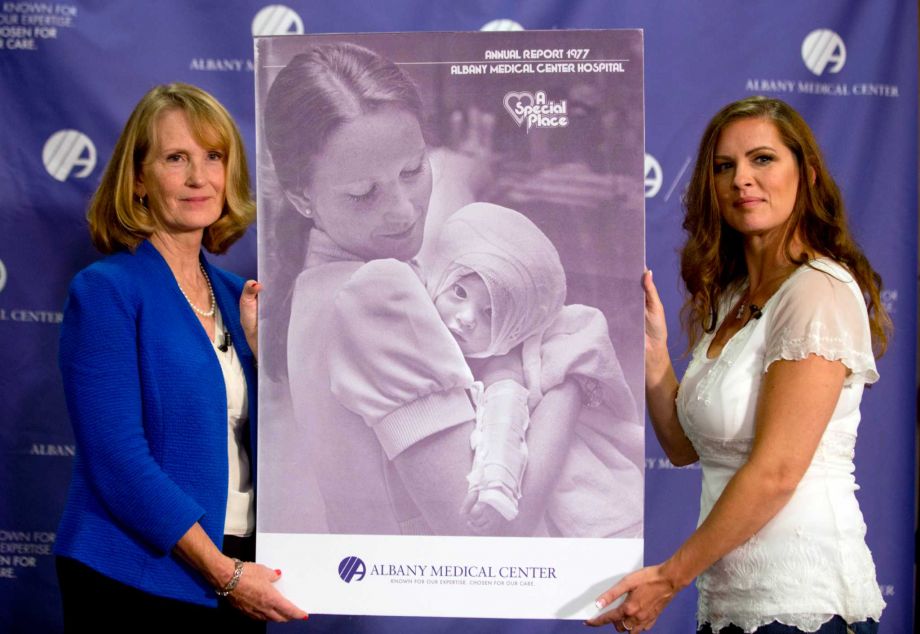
(647, 592)
(249, 314)
(257, 597)
(254, 593)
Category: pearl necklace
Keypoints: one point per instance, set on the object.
(211, 310)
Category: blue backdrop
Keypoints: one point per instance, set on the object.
(70, 72)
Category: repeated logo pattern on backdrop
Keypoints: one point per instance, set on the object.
(69, 153)
(824, 54)
(502, 25)
(653, 176)
(71, 71)
(824, 51)
(277, 19)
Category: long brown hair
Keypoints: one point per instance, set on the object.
(119, 220)
(712, 259)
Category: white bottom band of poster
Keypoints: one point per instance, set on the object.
(476, 577)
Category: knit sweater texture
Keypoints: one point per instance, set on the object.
(148, 406)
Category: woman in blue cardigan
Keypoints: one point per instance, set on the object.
(159, 376)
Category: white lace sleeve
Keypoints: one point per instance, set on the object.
(822, 311)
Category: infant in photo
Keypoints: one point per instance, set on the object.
(498, 285)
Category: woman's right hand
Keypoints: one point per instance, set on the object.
(656, 327)
(660, 381)
(256, 596)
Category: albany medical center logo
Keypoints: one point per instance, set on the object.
(352, 568)
(653, 176)
(535, 110)
(502, 25)
(823, 50)
(824, 54)
(69, 153)
(277, 19)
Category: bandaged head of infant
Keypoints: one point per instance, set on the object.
(495, 279)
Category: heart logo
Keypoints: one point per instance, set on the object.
(513, 100)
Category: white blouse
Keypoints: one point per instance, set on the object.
(809, 562)
(240, 519)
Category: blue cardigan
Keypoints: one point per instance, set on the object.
(148, 406)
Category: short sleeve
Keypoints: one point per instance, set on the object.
(821, 311)
(392, 361)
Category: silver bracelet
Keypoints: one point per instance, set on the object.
(234, 579)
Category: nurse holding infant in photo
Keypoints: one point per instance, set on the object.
(458, 397)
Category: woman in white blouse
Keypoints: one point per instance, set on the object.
(784, 317)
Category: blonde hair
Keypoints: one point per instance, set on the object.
(119, 220)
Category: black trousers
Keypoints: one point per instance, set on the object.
(93, 602)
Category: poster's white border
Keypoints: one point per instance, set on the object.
(478, 577)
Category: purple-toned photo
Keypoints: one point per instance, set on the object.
(451, 242)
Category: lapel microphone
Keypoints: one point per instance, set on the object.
(227, 342)
(756, 313)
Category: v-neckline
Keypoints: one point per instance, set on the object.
(763, 310)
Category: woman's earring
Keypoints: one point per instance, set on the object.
(143, 202)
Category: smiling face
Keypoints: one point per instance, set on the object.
(756, 178)
(183, 179)
(371, 184)
(466, 309)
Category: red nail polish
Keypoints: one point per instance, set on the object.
(306, 616)
(278, 572)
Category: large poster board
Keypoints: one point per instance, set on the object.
(451, 238)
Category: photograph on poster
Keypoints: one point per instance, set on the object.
(451, 241)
